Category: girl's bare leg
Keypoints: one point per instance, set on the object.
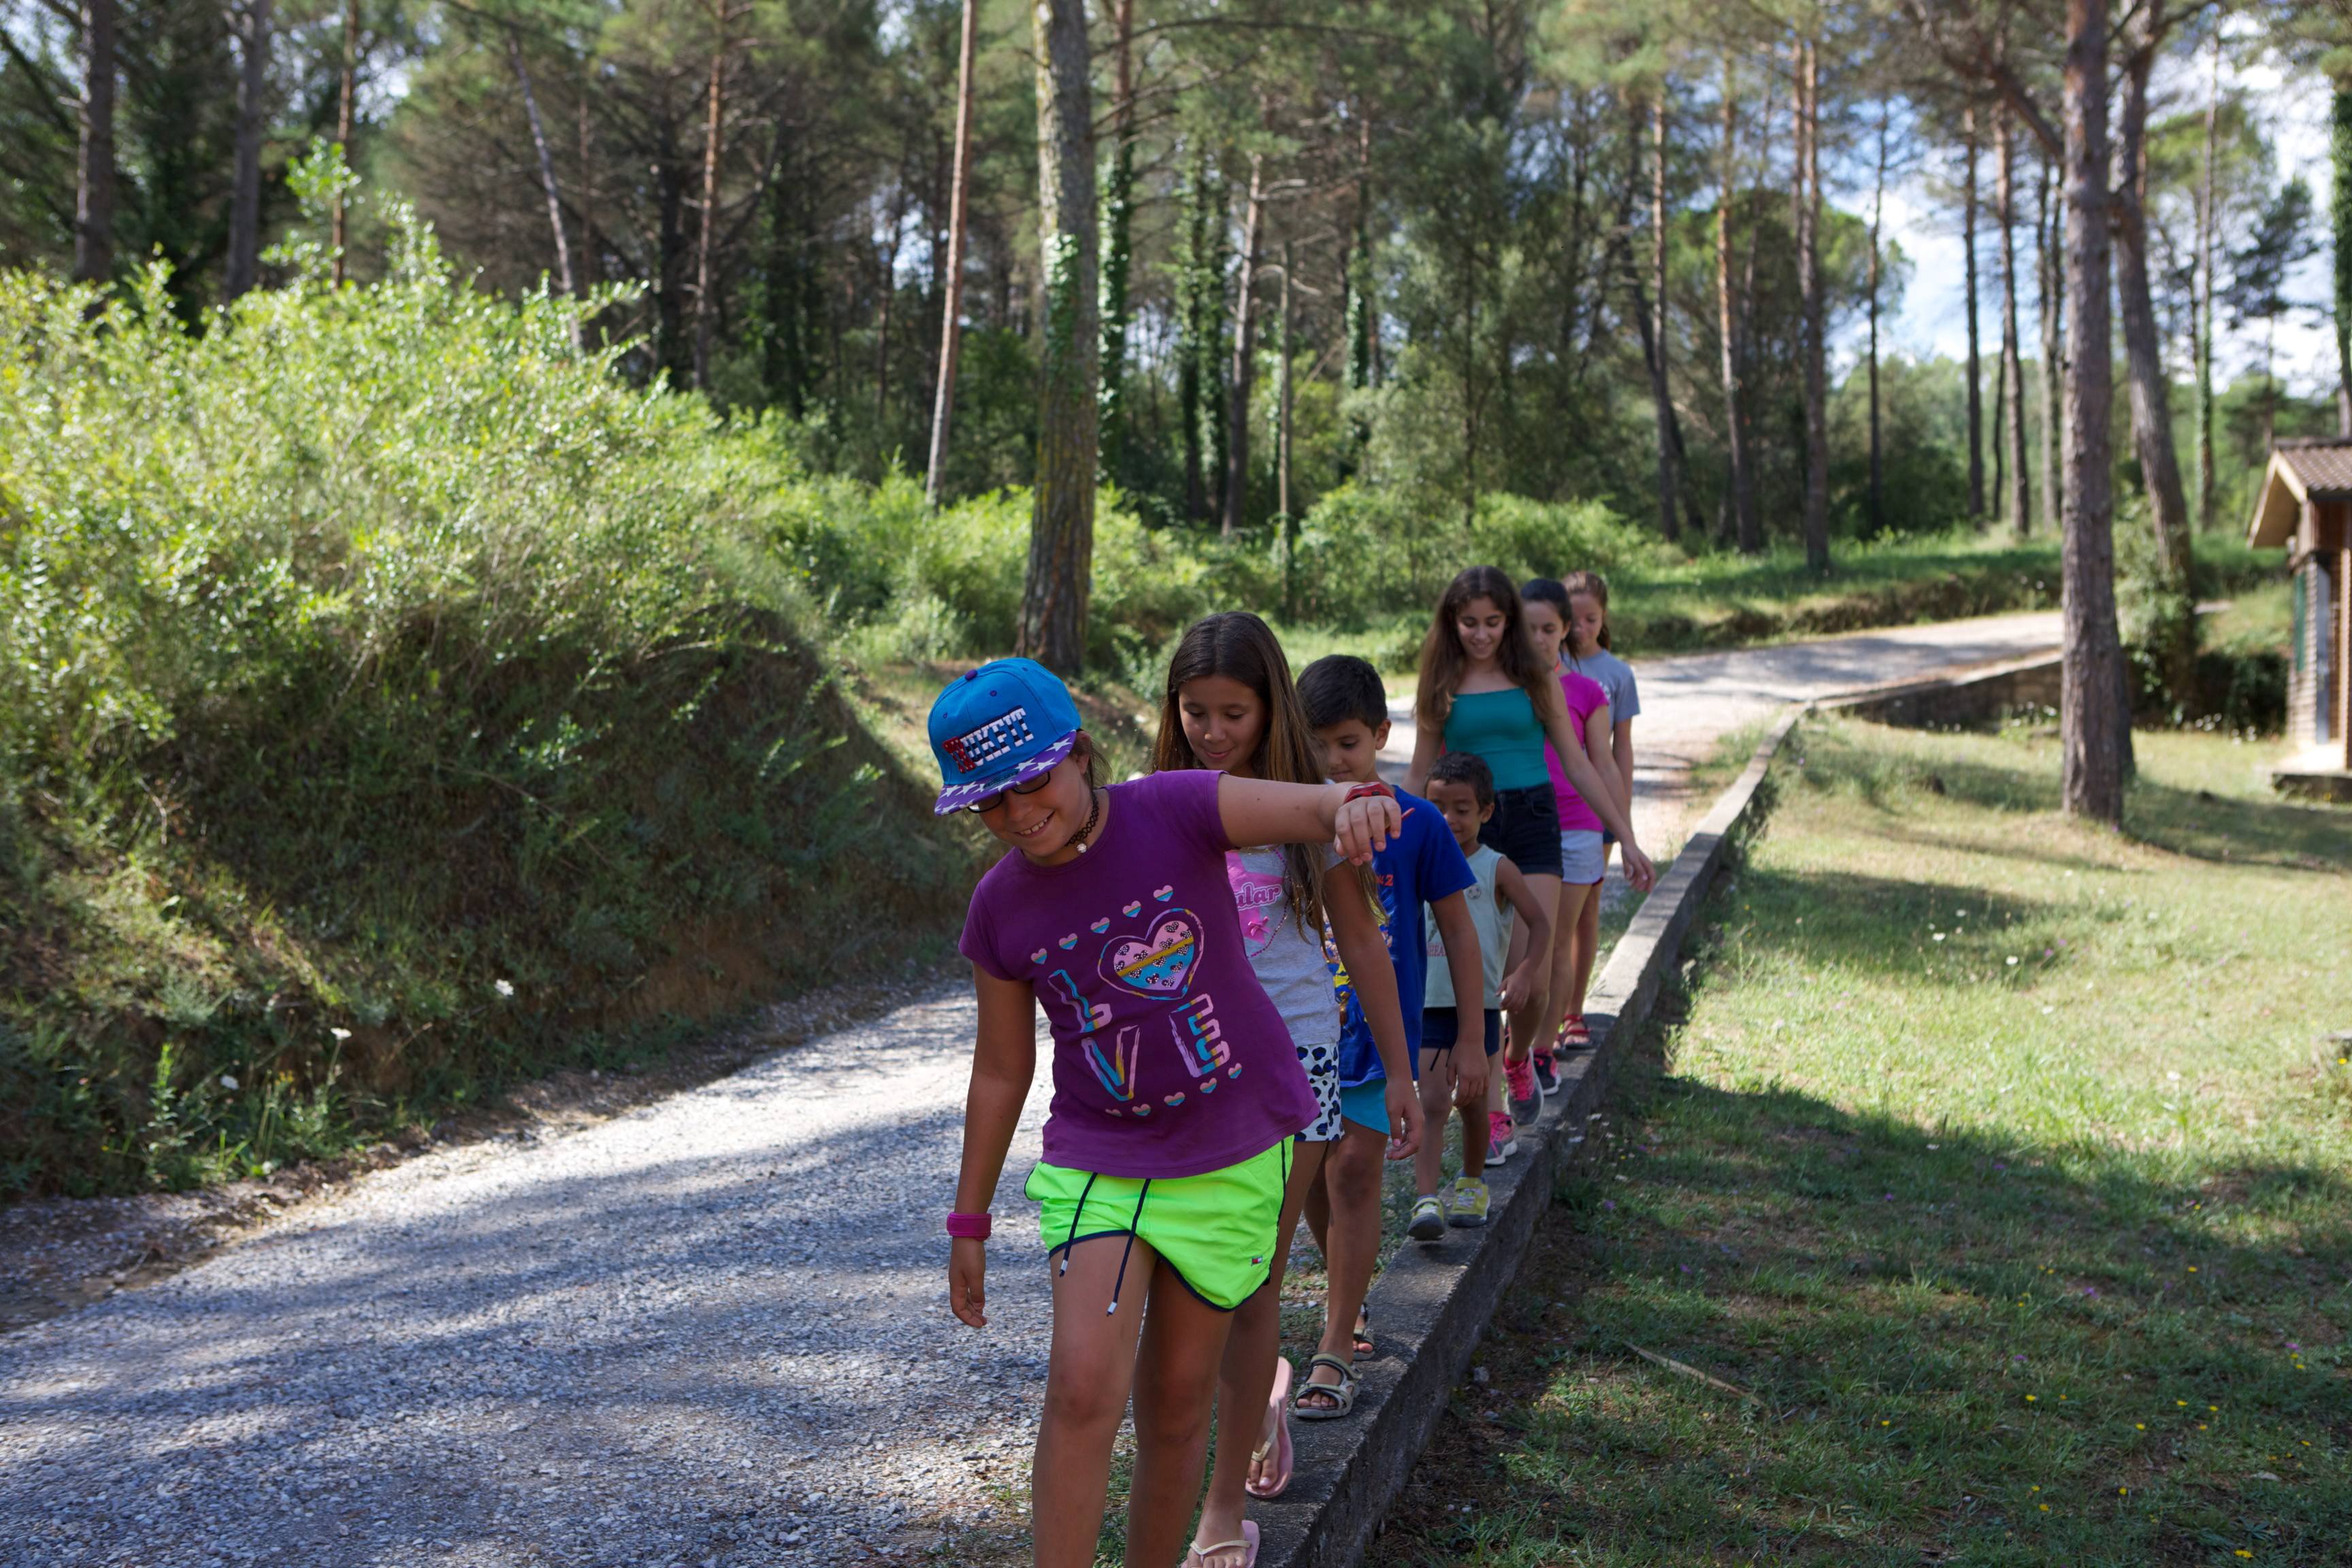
(1567, 991)
(1584, 941)
(1086, 1385)
(1528, 1016)
(1247, 1376)
(1352, 1235)
(1184, 1341)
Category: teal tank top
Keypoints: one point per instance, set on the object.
(1500, 726)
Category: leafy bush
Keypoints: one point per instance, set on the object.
(392, 700)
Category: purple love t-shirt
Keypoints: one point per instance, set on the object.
(1168, 1060)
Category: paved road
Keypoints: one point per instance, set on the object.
(1690, 701)
(707, 1333)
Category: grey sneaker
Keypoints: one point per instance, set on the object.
(1428, 1222)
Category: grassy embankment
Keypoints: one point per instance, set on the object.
(393, 705)
(1988, 1186)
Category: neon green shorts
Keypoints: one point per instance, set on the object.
(1216, 1229)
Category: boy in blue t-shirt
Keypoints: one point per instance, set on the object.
(1347, 707)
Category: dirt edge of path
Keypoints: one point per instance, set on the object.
(59, 1255)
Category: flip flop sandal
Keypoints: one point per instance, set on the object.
(1221, 1555)
(1284, 1457)
(1363, 1334)
(1341, 1394)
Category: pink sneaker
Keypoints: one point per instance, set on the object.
(1527, 1095)
(1502, 1138)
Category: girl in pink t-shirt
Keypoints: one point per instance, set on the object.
(1176, 1091)
(1583, 855)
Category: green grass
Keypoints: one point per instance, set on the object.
(2028, 1244)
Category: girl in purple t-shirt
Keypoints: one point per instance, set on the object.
(1176, 1093)
(1231, 706)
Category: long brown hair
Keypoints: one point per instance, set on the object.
(1590, 586)
(1441, 658)
(1240, 647)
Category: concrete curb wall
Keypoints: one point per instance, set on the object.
(1978, 697)
(1431, 1302)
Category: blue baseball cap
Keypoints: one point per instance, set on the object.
(997, 726)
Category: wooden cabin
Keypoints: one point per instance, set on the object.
(2306, 509)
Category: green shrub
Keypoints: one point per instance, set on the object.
(395, 701)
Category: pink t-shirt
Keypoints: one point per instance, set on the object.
(1169, 1058)
(1584, 694)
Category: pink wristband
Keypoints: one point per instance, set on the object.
(968, 1227)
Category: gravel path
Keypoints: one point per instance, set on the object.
(707, 1331)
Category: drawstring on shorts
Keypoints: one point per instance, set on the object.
(1071, 1242)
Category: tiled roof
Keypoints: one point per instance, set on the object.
(2320, 469)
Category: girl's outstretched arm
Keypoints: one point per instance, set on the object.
(1003, 1060)
(1356, 933)
(1596, 744)
(1256, 812)
(1520, 984)
(1598, 793)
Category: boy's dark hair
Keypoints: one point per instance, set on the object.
(1339, 687)
(1467, 767)
(1545, 591)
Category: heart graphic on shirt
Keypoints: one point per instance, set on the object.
(1132, 910)
(1069, 942)
(1173, 1100)
(1159, 961)
(1038, 956)
(1164, 894)
(1101, 925)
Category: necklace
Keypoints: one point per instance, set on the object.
(1094, 815)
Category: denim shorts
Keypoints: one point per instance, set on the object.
(1440, 1027)
(1525, 829)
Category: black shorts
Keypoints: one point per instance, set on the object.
(1525, 829)
(1441, 1027)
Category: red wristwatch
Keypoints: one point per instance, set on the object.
(1361, 790)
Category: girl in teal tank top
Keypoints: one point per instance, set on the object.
(1484, 690)
(1501, 728)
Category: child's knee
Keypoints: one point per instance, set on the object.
(1088, 1399)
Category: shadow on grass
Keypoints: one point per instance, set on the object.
(1941, 1350)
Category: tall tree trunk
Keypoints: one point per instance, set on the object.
(1741, 508)
(715, 105)
(1194, 364)
(1655, 336)
(2094, 722)
(1289, 523)
(252, 106)
(889, 298)
(1749, 517)
(1968, 286)
(1877, 228)
(1362, 315)
(1807, 131)
(1062, 524)
(589, 271)
(2151, 386)
(1119, 207)
(951, 311)
(94, 180)
(2200, 301)
(547, 185)
(1244, 367)
(339, 238)
(2050, 285)
(2339, 203)
(2012, 435)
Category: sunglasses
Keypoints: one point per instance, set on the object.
(1027, 786)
